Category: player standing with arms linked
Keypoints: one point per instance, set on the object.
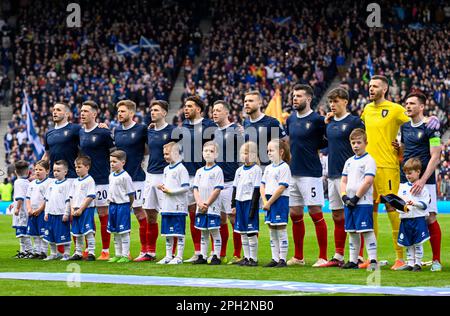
(196, 131)
(340, 123)
(131, 137)
(418, 141)
(306, 130)
(260, 128)
(382, 119)
(158, 135)
(97, 143)
(229, 139)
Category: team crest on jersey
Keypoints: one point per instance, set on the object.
(94, 138)
(384, 113)
(344, 127)
(419, 135)
(164, 136)
(133, 134)
(66, 133)
(308, 125)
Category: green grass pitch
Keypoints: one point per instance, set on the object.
(9, 245)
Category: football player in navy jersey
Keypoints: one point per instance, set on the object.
(421, 142)
(229, 138)
(159, 134)
(260, 128)
(196, 131)
(61, 142)
(131, 137)
(340, 124)
(306, 130)
(97, 143)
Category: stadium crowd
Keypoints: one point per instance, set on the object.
(80, 64)
(260, 45)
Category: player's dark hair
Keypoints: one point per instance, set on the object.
(225, 104)
(384, 79)
(307, 88)
(130, 105)
(357, 133)
(197, 100)
(380, 77)
(338, 93)
(43, 163)
(163, 104)
(420, 96)
(84, 160)
(66, 106)
(119, 154)
(412, 164)
(21, 167)
(62, 163)
(92, 104)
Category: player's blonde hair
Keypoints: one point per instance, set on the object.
(358, 133)
(282, 146)
(130, 105)
(412, 164)
(252, 150)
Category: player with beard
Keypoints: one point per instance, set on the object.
(383, 119)
(196, 131)
(260, 128)
(419, 142)
(131, 137)
(229, 139)
(306, 130)
(61, 143)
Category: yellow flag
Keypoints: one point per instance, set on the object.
(274, 107)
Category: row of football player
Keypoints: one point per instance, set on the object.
(61, 199)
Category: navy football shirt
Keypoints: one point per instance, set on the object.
(262, 131)
(229, 140)
(339, 148)
(156, 139)
(97, 144)
(62, 144)
(306, 138)
(194, 136)
(132, 140)
(416, 139)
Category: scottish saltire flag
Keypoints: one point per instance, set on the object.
(296, 43)
(370, 66)
(148, 43)
(33, 137)
(282, 20)
(124, 49)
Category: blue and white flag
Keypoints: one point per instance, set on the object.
(33, 137)
(125, 49)
(370, 66)
(282, 20)
(148, 43)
